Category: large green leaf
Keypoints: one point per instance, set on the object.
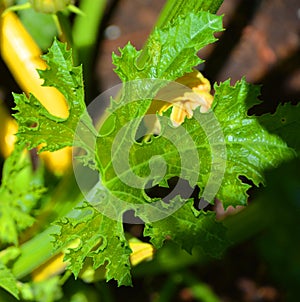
(187, 152)
(224, 142)
(191, 152)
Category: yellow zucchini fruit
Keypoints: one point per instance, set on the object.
(8, 129)
(58, 161)
(23, 56)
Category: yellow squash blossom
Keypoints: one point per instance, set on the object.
(23, 57)
(194, 92)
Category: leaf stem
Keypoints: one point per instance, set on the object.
(85, 34)
(85, 29)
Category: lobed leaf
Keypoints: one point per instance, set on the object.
(127, 168)
(99, 238)
(172, 50)
(251, 149)
(37, 127)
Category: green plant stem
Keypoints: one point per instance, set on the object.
(42, 243)
(39, 248)
(37, 251)
(86, 27)
(174, 9)
(34, 253)
(85, 34)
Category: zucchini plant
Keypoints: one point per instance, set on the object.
(164, 126)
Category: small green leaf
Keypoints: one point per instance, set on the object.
(99, 238)
(172, 50)
(8, 281)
